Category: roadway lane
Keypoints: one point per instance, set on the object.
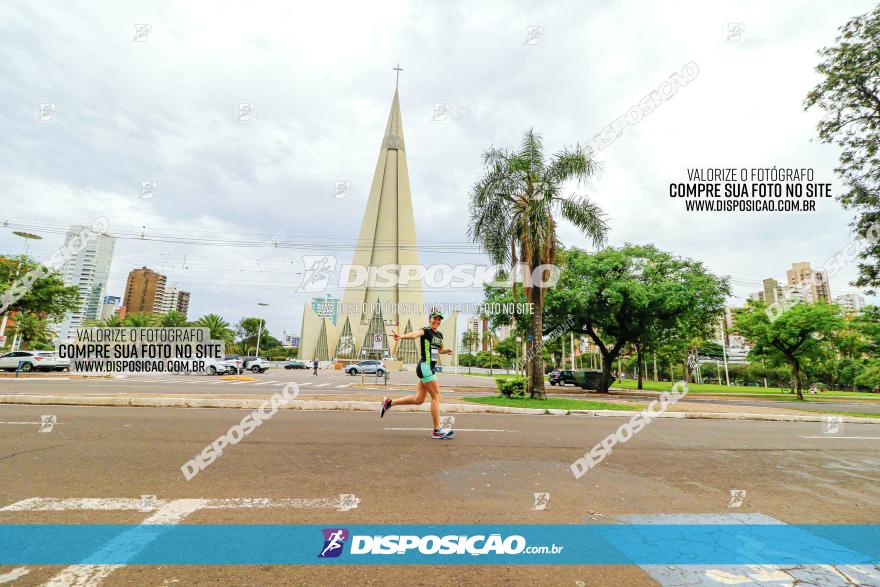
(488, 474)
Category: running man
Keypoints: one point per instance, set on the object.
(430, 349)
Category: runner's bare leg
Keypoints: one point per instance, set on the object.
(412, 400)
(433, 388)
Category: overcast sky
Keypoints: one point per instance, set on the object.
(162, 107)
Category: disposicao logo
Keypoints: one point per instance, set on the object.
(334, 541)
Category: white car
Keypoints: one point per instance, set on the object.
(220, 367)
(33, 361)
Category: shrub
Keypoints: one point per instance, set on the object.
(513, 387)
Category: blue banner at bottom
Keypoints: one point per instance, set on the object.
(611, 544)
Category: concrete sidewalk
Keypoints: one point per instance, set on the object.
(251, 402)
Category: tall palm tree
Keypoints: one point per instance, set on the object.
(513, 209)
(218, 327)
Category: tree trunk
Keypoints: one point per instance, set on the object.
(536, 360)
(796, 369)
(640, 371)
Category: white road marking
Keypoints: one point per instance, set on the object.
(322, 385)
(239, 382)
(456, 429)
(343, 386)
(305, 383)
(20, 422)
(266, 383)
(746, 574)
(845, 437)
(217, 382)
(14, 574)
(22, 379)
(342, 502)
(124, 546)
(167, 512)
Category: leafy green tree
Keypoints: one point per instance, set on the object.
(618, 296)
(870, 376)
(803, 333)
(849, 93)
(246, 332)
(506, 349)
(514, 208)
(47, 296)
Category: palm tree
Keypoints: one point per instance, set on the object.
(218, 327)
(491, 340)
(469, 340)
(513, 209)
(113, 321)
(173, 319)
(32, 329)
(139, 320)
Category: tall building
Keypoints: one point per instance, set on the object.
(182, 304)
(174, 299)
(144, 292)
(814, 284)
(88, 270)
(851, 303)
(481, 328)
(371, 310)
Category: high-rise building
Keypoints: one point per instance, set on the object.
(88, 270)
(182, 304)
(174, 299)
(814, 284)
(851, 303)
(144, 292)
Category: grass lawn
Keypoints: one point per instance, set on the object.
(550, 403)
(713, 388)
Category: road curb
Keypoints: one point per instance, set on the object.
(371, 406)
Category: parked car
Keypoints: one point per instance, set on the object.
(256, 364)
(220, 367)
(33, 361)
(235, 362)
(295, 365)
(369, 367)
(562, 378)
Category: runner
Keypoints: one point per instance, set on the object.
(430, 347)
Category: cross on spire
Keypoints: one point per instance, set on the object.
(398, 69)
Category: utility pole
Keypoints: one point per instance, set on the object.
(260, 330)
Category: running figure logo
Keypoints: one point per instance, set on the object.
(334, 541)
(318, 269)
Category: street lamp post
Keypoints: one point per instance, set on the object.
(260, 330)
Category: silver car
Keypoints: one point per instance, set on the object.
(369, 367)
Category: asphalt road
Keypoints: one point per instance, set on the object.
(488, 474)
(325, 382)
